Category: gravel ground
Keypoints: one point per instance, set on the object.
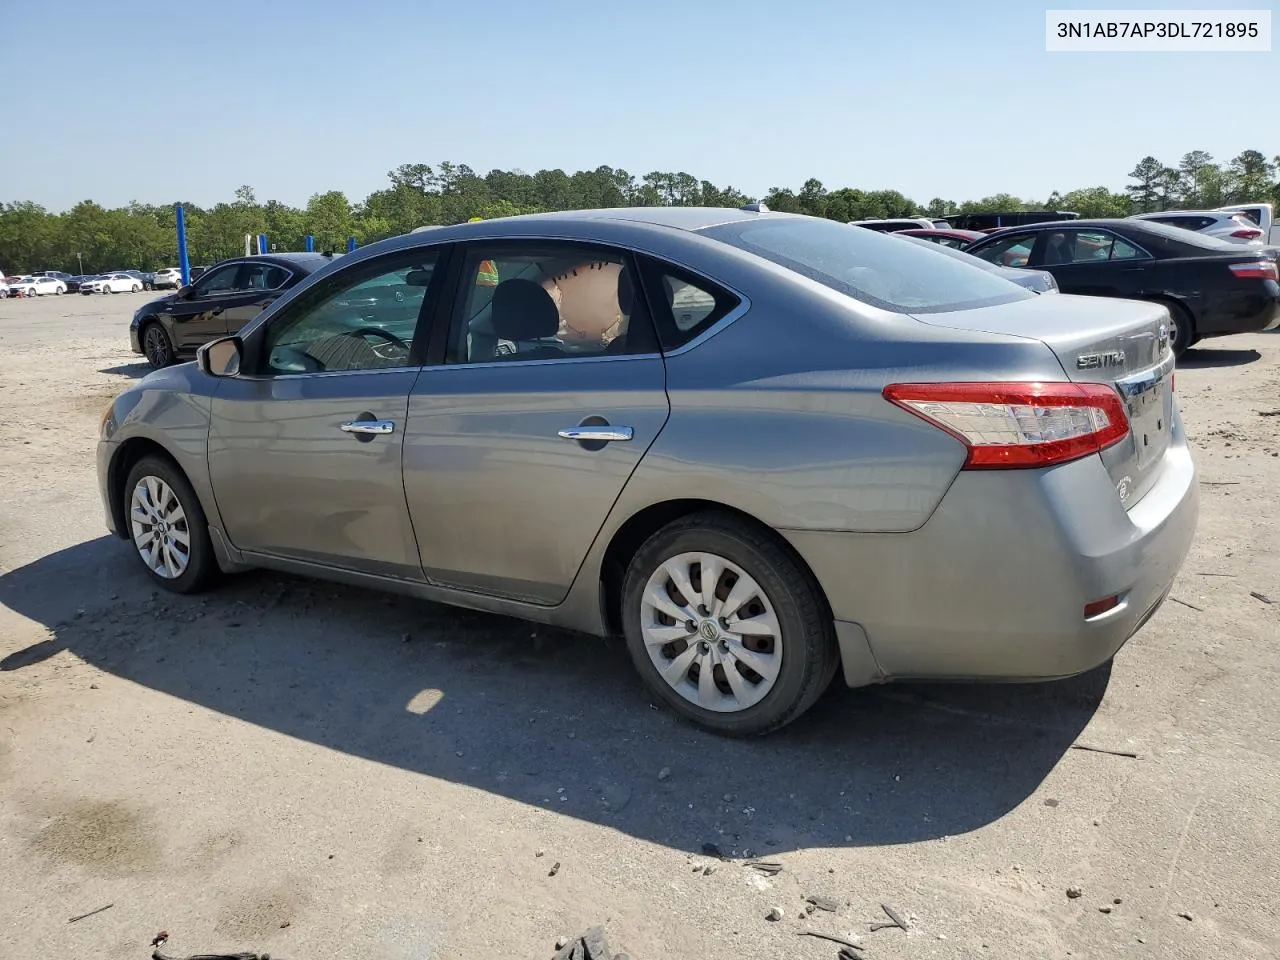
(273, 767)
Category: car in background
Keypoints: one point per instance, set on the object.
(167, 277)
(111, 283)
(148, 280)
(220, 301)
(56, 274)
(949, 491)
(197, 271)
(894, 225)
(30, 286)
(1263, 216)
(4, 287)
(956, 239)
(73, 285)
(1210, 287)
(1233, 227)
(1037, 281)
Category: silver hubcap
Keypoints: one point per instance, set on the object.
(711, 632)
(160, 529)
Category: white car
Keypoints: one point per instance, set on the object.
(112, 283)
(1261, 215)
(1234, 227)
(38, 286)
(168, 277)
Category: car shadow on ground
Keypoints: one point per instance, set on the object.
(550, 718)
(134, 371)
(1201, 357)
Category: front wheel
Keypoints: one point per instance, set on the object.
(726, 626)
(134, 289)
(168, 527)
(156, 346)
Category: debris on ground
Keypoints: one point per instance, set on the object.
(1185, 604)
(591, 945)
(775, 914)
(709, 869)
(848, 945)
(664, 773)
(159, 940)
(1074, 893)
(1115, 753)
(1261, 596)
(1104, 909)
(555, 868)
(1185, 916)
(91, 913)
(765, 866)
(895, 920)
(822, 903)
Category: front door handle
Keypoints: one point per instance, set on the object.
(603, 434)
(368, 427)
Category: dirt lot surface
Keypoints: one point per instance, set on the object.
(273, 767)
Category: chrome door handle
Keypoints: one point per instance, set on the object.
(596, 433)
(369, 426)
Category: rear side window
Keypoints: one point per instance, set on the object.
(868, 266)
(684, 306)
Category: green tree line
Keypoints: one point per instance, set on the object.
(143, 236)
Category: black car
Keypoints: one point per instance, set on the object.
(1211, 287)
(225, 297)
(73, 283)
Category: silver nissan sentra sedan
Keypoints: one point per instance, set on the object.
(764, 448)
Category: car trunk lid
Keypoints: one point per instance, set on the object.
(1122, 343)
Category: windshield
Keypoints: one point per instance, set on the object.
(868, 266)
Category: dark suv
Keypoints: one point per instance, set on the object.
(226, 297)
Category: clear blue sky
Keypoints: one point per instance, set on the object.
(160, 101)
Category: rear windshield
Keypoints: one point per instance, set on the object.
(1187, 237)
(871, 267)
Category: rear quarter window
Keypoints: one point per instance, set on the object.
(870, 267)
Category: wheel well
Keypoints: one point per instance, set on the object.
(130, 452)
(1175, 308)
(632, 534)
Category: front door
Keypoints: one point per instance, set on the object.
(197, 317)
(519, 444)
(305, 448)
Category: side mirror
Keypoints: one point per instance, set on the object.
(221, 358)
(184, 292)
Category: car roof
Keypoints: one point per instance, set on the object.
(303, 261)
(681, 218)
(1110, 223)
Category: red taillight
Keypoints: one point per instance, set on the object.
(1246, 233)
(1015, 425)
(1099, 607)
(1256, 270)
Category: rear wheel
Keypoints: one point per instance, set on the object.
(168, 527)
(156, 346)
(57, 291)
(1183, 333)
(726, 627)
(135, 288)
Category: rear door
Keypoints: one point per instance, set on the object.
(305, 447)
(257, 285)
(551, 390)
(1093, 262)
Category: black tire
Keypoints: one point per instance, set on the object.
(810, 655)
(202, 563)
(156, 345)
(135, 288)
(1184, 331)
(57, 291)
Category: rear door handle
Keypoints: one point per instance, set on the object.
(602, 434)
(367, 427)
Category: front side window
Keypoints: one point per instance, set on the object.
(222, 280)
(1087, 246)
(359, 319)
(546, 301)
(1013, 251)
(870, 267)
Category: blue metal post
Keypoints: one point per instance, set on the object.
(311, 244)
(184, 265)
(351, 244)
(262, 243)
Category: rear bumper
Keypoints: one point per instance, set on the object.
(1246, 314)
(994, 585)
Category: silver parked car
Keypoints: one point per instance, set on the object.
(764, 448)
